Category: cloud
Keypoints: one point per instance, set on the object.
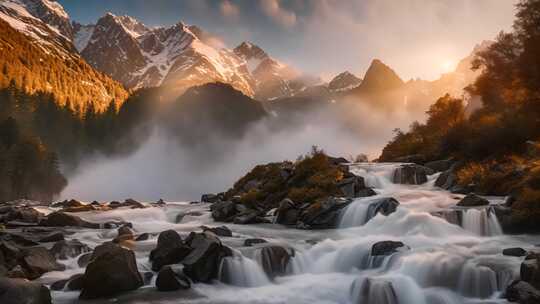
(274, 10)
(229, 10)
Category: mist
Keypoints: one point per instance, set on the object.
(164, 167)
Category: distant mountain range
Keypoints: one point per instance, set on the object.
(100, 62)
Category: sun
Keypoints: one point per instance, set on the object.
(448, 66)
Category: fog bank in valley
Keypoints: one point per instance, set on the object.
(165, 168)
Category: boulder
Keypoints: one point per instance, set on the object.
(84, 208)
(366, 192)
(530, 269)
(522, 292)
(143, 237)
(111, 272)
(287, 213)
(169, 279)
(439, 165)
(516, 252)
(133, 204)
(472, 200)
(20, 291)
(209, 198)
(124, 234)
(69, 249)
(274, 260)
(411, 174)
(84, 259)
(351, 186)
(38, 260)
(251, 242)
(223, 211)
(52, 237)
(67, 204)
(323, 215)
(385, 248)
(170, 249)
(219, 231)
(203, 262)
(383, 205)
(61, 219)
(75, 282)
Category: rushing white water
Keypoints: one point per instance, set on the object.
(453, 255)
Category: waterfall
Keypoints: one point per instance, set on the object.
(239, 270)
(482, 222)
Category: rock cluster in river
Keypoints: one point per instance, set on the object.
(308, 194)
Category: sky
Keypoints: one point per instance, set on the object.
(417, 38)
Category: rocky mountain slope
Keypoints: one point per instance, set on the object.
(38, 55)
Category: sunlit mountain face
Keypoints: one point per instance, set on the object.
(269, 151)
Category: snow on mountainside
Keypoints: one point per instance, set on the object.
(177, 56)
(273, 79)
(42, 56)
(343, 82)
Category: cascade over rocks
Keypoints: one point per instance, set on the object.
(274, 260)
(322, 215)
(111, 272)
(20, 291)
(69, 249)
(383, 205)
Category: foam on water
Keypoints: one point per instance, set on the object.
(453, 256)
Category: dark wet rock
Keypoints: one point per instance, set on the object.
(125, 233)
(219, 231)
(169, 279)
(114, 204)
(104, 248)
(372, 290)
(59, 285)
(160, 202)
(75, 282)
(142, 237)
(133, 204)
(383, 205)
(287, 213)
(111, 272)
(38, 260)
(203, 262)
(323, 215)
(251, 242)
(351, 187)
(366, 192)
(530, 269)
(18, 239)
(223, 211)
(209, 198)
(338, 160)
(248, 217)
(411, 174)
(516, 252)
(522, 292)
(274, 260)
(68, 249)
(147, 277)
(16, 272)
(413, 158)
(19, 291)
(385, 248)
(472, 200)
(170, 249)
(61, 219)
(67, 204)
(19, 214)
(84, 259)
(53, 237)
(439, 165)
(113, 225)
(10, 254)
